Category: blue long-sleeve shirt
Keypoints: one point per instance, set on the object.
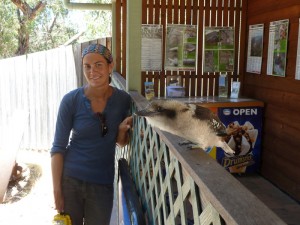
(87, 155)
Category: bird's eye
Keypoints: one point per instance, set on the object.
(159, 109)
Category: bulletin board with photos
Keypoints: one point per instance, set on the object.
(181, 47)
(219, 49)
(277, 48)
(255, 48)
(152, 36)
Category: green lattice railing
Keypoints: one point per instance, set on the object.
(181, 186)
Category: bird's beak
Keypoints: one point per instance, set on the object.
(146, 113)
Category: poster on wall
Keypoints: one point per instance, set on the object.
(255, 48)
(297, 76)
(181, 47)
(151, 47)
(219, 49)
(277, 48)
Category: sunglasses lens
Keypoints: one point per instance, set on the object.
(104, 130)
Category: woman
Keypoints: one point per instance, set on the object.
(91, 121)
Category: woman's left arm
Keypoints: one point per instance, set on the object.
(123, 135)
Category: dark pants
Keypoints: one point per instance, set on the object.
(86, 203)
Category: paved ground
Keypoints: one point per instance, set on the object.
(37, 207)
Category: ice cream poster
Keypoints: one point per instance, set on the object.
(243, 128)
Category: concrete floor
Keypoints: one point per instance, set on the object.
(282, 204)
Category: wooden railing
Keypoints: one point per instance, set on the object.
(181, 186)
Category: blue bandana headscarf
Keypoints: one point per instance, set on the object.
(100, 49)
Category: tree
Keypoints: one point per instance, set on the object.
(28, 26)
(26, 15)
(98, 25)
(52, 28)
(8, 31)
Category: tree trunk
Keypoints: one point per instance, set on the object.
(23, 37)
(28, 15)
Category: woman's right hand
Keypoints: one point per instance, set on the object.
(59, 200)
(57, 162)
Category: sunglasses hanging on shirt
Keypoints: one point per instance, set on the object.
(104, 128)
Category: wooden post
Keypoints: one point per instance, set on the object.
(133, 45)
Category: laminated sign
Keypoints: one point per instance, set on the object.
(243, 128)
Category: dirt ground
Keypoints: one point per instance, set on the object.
(30, 201)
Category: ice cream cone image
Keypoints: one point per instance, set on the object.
(242, 140)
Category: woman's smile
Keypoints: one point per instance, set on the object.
(94, 78)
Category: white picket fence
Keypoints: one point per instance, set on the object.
(36, 83)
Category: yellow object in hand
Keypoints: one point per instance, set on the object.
(62, 219)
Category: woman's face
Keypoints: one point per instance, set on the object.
(96, 69)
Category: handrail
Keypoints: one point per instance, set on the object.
(180, 186)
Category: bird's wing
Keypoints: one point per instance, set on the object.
(218, 126)
(203, 113)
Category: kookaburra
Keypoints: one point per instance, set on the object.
(189, 121)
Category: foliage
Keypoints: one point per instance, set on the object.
(52, 27)
(99, 25)
(8, 29)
